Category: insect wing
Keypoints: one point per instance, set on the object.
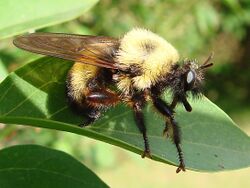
(93, 50)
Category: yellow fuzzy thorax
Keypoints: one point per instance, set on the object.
(150, 52)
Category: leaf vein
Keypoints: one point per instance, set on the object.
(28, 97)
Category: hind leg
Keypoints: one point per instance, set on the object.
(98, 101)
(91, 116)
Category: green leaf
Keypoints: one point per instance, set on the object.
(35, 95)
(18, 17)
(37, 166)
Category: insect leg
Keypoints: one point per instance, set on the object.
(184, 101)
(138, 102)
(97, 102)
(92, 115)
(102, 98)
(186, 104)
(139, 119)
(166, 110)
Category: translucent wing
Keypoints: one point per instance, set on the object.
(93, 50)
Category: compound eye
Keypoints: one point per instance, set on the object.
(190, 77)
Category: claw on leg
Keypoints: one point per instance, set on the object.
(146, 154)
(181, 167)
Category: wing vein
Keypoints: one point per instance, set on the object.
(93, 50)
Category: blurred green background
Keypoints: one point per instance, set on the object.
(195, 28)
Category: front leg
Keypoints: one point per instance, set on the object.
(166, 110)
(183, 100)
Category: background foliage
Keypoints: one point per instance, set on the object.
(195, 28)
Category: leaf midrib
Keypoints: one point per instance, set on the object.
(128, 133)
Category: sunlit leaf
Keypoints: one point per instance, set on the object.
(27, 15)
